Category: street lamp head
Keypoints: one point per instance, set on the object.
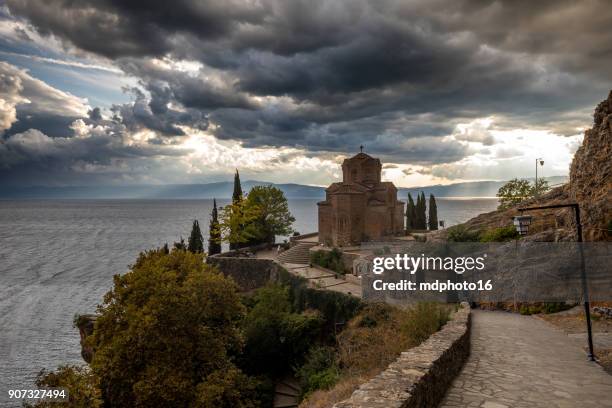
(541, 162)
(521, 223)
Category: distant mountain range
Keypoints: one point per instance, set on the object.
(224, 189)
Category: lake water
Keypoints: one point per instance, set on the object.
(57, 259)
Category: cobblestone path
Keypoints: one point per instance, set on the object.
(520, 361)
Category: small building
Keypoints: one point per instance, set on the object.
(361, 207)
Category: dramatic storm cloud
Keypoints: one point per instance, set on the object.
(444, 90)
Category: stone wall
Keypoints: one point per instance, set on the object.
(249, 273)
(421, 375)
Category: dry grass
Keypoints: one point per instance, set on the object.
(341, 391)
(575, 322)
(604, 357)
(374, 339)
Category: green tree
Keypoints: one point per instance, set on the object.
(433, 213)
(82, 385)
(195, 243)
(420, 208)
(515, 191)
(237, 194)
(422, 212)
(277, 338)
(237, 199)
(214, 238)
(417, 212)
(232, 221)
(167, 334)
(273, 216)
(410, 214)
(540, 187)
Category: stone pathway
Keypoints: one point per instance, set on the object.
(519, 361)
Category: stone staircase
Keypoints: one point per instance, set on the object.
(298, 254)
(286, 394)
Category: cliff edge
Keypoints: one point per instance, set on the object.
(590, 182)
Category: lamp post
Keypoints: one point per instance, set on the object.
(541, 163)
(522, 223)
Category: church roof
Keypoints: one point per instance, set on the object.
(362, 155)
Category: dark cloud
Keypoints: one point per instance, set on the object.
(95, 115)
(329, 75)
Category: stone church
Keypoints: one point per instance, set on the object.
(361, 207)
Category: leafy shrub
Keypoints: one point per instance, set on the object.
(329, 259)
(501, 234)
(277, 338)
(546, 308)
(319, 370)
(373, 315)
(82, 385)
(424, 319)
(460, 233)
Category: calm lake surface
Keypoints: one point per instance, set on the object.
(57, 259)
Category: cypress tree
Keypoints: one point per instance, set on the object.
(433, 213)
(236, 198)
(417, 213)
(420, 208)
(214, 240)
(237, 195)
(423, 211)
(410, 214)
(196, 242)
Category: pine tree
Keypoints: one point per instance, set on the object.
(236, 199)
(195, 243)
(214, 240)
(410, 214)
(237, 195)
(421, 218)
(417, 213)
(433, 213)
(423, 211)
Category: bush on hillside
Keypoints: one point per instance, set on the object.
(319, 371)
(545, 308)
(277, 337)
(329, 259)
(460, 233)
(501, 234)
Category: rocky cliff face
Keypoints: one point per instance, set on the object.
(85, 324)
(591, 174)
